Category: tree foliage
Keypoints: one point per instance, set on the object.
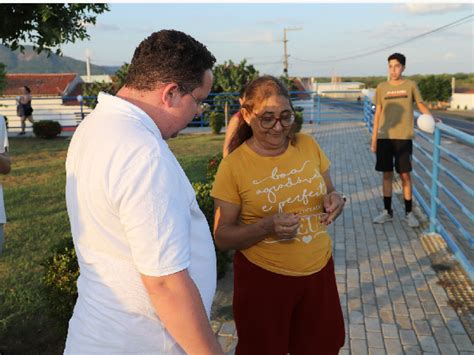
(46, 26)
(435, 88)
(92, 90)
(231, 77)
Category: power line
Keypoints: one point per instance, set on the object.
(263, 41)
(442, 28)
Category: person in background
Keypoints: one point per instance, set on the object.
(393, 133)
(273, 199)
(145, 251)
(24, 108)
(5, 168)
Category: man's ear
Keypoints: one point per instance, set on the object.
(169, 94)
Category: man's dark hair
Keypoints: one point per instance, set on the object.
(169, 56)
(398, 56)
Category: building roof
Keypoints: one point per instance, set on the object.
(463, 91)
(40, 84)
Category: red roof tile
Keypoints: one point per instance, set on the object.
(40, 84)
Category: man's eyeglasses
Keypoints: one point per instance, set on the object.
(201, 105)
(268, 121)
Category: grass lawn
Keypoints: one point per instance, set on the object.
(37, 221)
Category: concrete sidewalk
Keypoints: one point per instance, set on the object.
(390, 294)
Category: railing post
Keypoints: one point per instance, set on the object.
(366, 118)
(434, 180)
(82, 111)
(318, 117)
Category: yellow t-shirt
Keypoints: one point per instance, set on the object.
(288, 183)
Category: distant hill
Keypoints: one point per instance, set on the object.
(30, 62)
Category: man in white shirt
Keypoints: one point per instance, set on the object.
(5, 167)
(144, 248)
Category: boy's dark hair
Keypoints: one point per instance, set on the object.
(28, 90)
(399, 57)
(169, 56)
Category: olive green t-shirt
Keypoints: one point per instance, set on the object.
(396, 120)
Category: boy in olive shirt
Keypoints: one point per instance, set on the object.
(393, 133)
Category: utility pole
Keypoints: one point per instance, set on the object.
(285, 51)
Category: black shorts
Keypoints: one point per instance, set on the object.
(389, 150)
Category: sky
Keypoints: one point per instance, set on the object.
(324, 39)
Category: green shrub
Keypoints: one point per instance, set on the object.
(204, 200)
(212, 167)
(206, 203)
(62, 271)
(216, 121)
(298, 121)
(46, 129)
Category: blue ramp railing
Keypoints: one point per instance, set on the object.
(69, 111)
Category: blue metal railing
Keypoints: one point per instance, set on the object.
(69, 111)
(314, 107)
(435, 204)
(305, 100)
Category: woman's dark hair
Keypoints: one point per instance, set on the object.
(255, 92)
(169, 56)
(399, 57)
(27, 89)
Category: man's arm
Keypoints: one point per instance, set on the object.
(178, 304)
(378, 112)
(5, 163)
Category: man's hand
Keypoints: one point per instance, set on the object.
(373, 146)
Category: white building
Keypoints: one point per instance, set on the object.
(463, 100)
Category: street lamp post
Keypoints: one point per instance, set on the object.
(80, 99)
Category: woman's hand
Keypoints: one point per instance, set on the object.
(333, 206)
(282, 225)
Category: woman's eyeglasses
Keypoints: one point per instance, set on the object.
(268, 121)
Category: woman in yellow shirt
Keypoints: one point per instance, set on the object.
(274, 197)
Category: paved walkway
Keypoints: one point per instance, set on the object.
(391, 297)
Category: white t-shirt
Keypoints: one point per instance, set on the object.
(132, 210)
(3, 148)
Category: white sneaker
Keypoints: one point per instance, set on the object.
(383, 217)
(411, 220)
